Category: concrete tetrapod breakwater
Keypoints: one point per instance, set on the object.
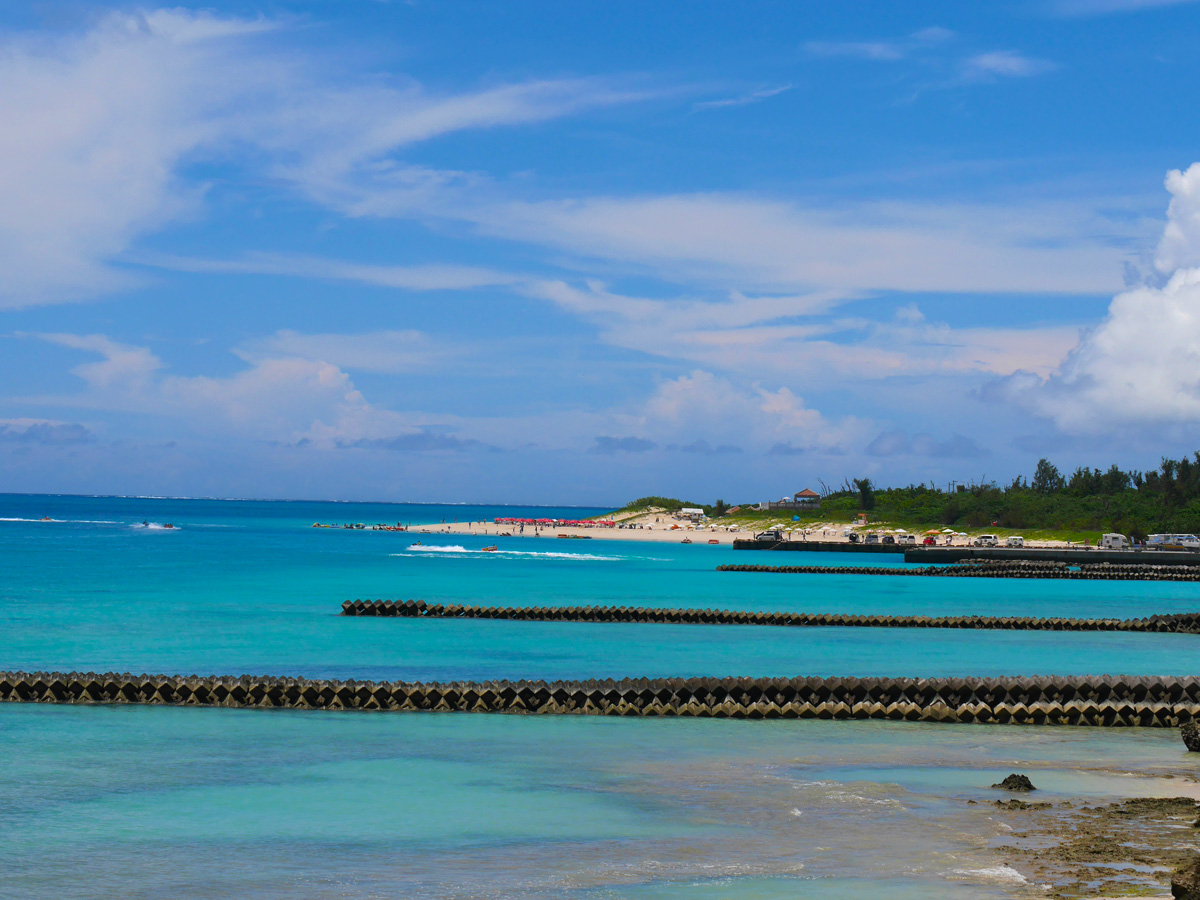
(1102, 700)
(999, 569)
(1179, 623)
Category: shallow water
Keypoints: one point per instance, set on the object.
(204, 803)
(239, 803)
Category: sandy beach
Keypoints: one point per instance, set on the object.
(662, 527)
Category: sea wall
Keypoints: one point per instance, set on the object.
(1074, 556)
(816, 546)
(1113, 701)
(1184, 623)
(998, 569)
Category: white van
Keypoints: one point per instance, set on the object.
(1173, 542)
(906, 539)
(1015, 541)
(986, 540)
(1114, 542)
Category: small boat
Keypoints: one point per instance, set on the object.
(713, 541)
(417, 544)
(686, 541)
(491, 549)
(46, 519)
(168, 525)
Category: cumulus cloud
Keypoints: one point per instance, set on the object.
(720, 412)
(275, 399)
(1141, 365)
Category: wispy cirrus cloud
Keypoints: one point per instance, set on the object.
(424, 277)
(747, 242)
(1005, 64)
(140, 96)
(1087, 8)
(881, 50)
(936, 49)
(744, 99)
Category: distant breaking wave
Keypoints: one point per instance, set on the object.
(61, 521)
(548, 554)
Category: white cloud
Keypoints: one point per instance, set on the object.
(1108, 7)
(1141, 365)
(44, 432)
(1005, 64)
(742, 241)
(1179, 246)
(388, 352)
(746, 99)
(283, 399)
(884, 51)
(705, 406)
(800, 337)
(410, 278)
(99, 126)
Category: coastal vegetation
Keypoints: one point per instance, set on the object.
(1049, 502)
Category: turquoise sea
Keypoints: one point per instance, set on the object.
(196, 803)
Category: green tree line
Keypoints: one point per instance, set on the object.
(1134, 503)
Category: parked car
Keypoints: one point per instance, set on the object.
(1173, 542)
(872, 538)
(888, 539)
(986, 540)
(853, 537)
(930, 541)
(1015, 541)
(906, 539)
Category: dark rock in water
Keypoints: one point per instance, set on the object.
(1015, 782)
(1190, 732)
(1014, 803)
(1185, 881)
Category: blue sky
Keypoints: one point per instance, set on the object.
(548, 252)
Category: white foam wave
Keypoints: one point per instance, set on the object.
(61, 521)
(997, 874)
(458, 549)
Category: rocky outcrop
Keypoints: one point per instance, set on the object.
(1016, 782)
(1185, 881)
(1111, 701)
(1190, 733)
